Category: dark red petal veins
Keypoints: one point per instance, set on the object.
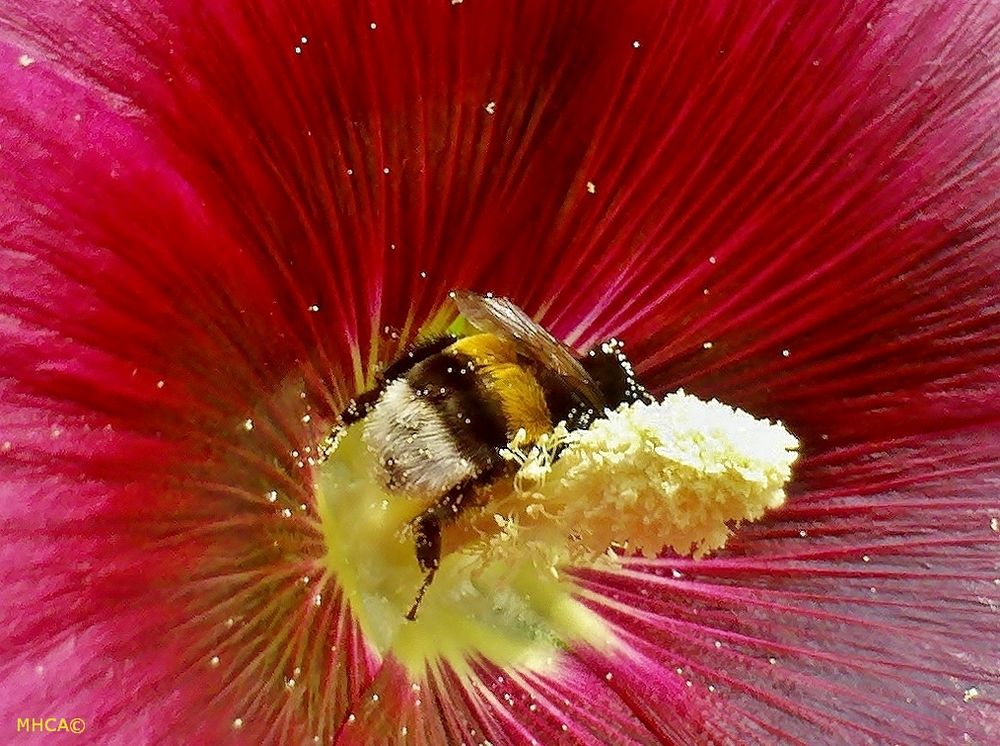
(859, 612)
(217, 221)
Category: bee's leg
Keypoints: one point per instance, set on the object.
(427, 532)
(427, 525)
(427, 535)
(359, 407)
(356, 409)
(411, 615)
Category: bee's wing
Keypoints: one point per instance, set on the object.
(501, 317)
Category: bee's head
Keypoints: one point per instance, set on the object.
(613, 374)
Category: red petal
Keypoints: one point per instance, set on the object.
(867, 607)
(198, 227)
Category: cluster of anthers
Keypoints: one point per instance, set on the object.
(680, 472)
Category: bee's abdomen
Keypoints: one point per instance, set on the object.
(414, 450)
(435, 428)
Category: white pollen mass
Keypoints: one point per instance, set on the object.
(673, 473)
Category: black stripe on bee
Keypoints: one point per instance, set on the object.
(473, 416)
(415, 354)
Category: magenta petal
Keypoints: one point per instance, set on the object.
(218, 215)
(857, 612)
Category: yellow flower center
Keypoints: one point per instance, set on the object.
(676, 473)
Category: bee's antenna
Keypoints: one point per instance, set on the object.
(412, 613)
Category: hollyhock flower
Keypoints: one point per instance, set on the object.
(219, 220)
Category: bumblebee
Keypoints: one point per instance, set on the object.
(439, 415)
